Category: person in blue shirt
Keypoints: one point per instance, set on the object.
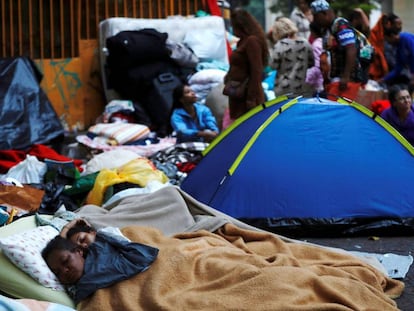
(191, 120)
(404, 58)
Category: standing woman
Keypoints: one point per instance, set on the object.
(191, 120)
(302, 16)
(291, 57)
(247, 62)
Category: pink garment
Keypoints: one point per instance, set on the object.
(227, 121)
(314, 75)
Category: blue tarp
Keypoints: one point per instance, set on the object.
(26, 115)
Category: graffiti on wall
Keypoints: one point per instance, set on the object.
(62, 82)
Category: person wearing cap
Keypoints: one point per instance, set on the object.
(340, 41)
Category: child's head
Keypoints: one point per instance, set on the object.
(81, 234)
(183, 95)
(65, 259)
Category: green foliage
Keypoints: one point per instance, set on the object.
(256, 8)
(344, 7)
(283, 6)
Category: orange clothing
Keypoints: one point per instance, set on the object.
(379, 67)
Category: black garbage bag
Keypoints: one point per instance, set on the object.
(26, 114)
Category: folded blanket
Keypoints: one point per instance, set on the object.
(238, 269)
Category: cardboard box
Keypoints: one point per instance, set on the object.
(367, 97)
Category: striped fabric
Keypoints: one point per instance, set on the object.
(121, 133)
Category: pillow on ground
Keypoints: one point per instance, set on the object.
(122, 133)
(24, 250)
(7, 303)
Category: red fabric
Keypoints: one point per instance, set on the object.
(10, 158)
(186, 167)
(332, 89)
(380, 105)
(213, 7)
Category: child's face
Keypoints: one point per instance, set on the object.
(67, 265)
(83, 239)
(189, 96)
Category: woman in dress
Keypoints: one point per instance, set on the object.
(247, 62)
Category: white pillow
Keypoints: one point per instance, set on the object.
(206, 76)
(24, 250)
(207, 44)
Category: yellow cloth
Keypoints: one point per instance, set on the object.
(138, 171)
(237, 269)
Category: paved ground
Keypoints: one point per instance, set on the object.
(395, 245)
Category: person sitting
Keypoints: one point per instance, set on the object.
(400, 115)
(191, 120)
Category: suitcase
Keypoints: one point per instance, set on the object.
(159, 101)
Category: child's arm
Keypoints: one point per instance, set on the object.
(71, 224)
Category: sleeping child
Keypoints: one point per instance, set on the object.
(231, 269)
(80, 232)
(108, 260)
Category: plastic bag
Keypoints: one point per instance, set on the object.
(139, 171)
(28, 171)
(182, 54)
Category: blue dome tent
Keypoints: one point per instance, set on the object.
(308, 167)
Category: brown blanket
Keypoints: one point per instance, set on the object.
(238, 269)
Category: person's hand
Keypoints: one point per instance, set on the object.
(250, 104)
(359, 10)
(208, 135)
(71, 224)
